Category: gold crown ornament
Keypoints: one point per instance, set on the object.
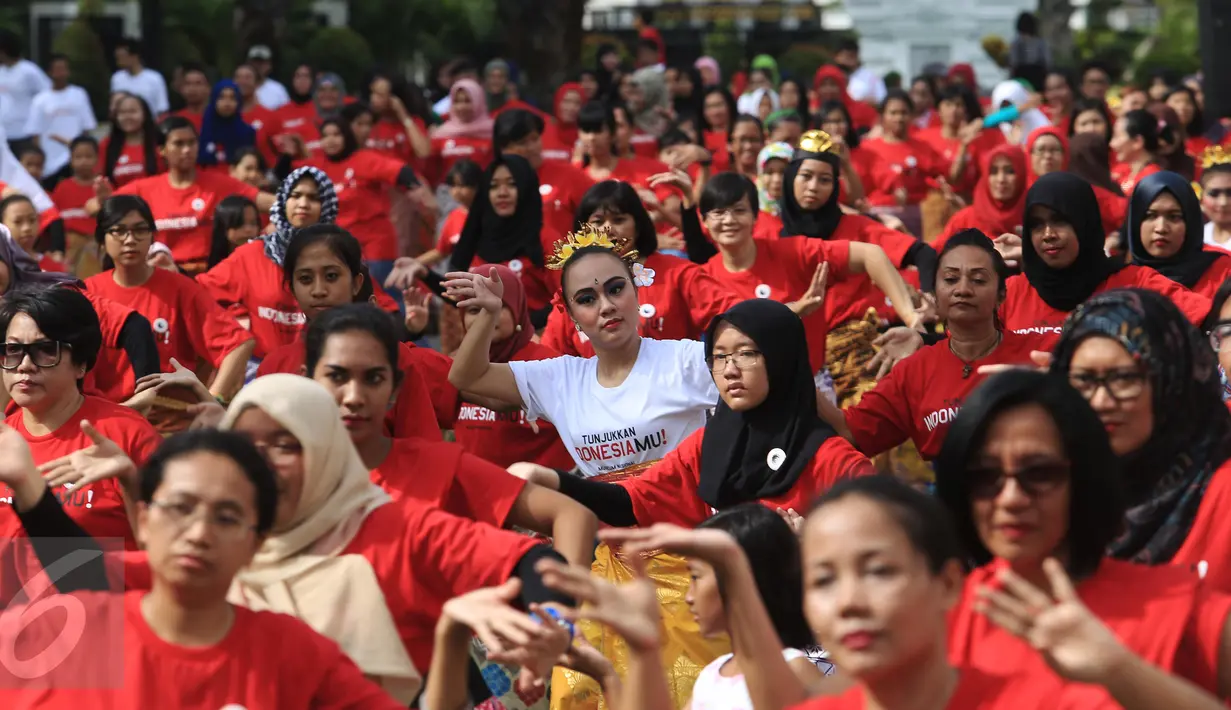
(1215, 155)
(588, 236)
(817, 142)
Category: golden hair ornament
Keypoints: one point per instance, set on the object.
(588, 236)
(817, 142)
(1215, 155)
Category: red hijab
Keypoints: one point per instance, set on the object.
(514, 299)
(1001, 216)
(1033, 138)
(862, 115)
(566, 132)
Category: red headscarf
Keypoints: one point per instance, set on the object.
(862, 115)
(1033, 138)
(514, 299)
(566, 132)
(1001, 216)
(966, 73)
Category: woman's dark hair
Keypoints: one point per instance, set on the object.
(928, 81)
(150, 139)
(237, 156)
(727, 98)
(594, 116)
(83, 139)
(64, 315)
(114, 209)
(725, 189)
(772, 549)
(467, 172)
(354, 110)
(897, 95)
(979, 240)
(410, 95)
(341, 242)
(1219, 300)
(673, 137)
(1084, 104)
(802, 108)
(1096, 507)
(1064, 74)
(1141, 123)
(513, 126)
(228, 215)
(11, 200)
(349, 143)
(576, 258)
(922, 518)
(362, 317)
(852, 135)
(617, 196)
(234, 446)
(1028, 24)
(28, 149)
(1195, 127)
(171, 124)
(367, 290)
(959, 92)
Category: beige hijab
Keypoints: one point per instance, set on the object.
(300, 570)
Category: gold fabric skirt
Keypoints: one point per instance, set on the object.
(848, 350)
(685, 652)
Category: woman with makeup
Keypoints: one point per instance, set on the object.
(1038, 498)
(1164, 219)
(999, 197)
(1063, 263)
(1091, 116)
(466, 135)
(1135, 143)
(130, 151)
(1048, 151)
(909, 165)
(1216, 197)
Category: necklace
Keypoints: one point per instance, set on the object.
(968, 367)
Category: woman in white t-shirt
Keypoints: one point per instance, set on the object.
(617, 412)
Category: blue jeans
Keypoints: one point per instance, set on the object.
(379, 271)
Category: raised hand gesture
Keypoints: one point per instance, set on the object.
(631, 609)
(405, 271)
(1072, 640)
(713, 546)
(418, 310)
(814, 297)
(1010, 248)
(896, 344)
(101, 460)
(467, 289)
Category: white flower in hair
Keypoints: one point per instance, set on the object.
(642, 276)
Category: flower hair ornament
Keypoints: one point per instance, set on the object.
(1215, 155)
(642, 275)
(590, 236)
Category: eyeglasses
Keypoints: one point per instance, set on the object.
(1122, 386)
(744, 360)
(1035, 480)
(181, 514)
(43, 353)
(140, 232)
(1221, 331)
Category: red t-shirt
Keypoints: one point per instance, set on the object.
(1213, 277)
(1204, 550)
(783, 271)
(667, 491)
(187, 322)
(389, 139)
(867, 166)
(976, 690)
(451, 231)
(185, 216)
(1122, 173)
(1112, 208)
(562, 187)
(98, 507)
(266, 660)
(194, 117)
(300, 120)
(112, 376)
(1025, 313)
(70, 197)
(447, 151)
(444, 476)
(911, 164)
(129, 166)
(1162, 614)
(947, 149)
(921, 396)
(678, 305)
(248, 284)
(644, 145)
(505, 438)
(767, 226)
(362, 182)
(539, 281)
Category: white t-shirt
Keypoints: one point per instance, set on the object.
(19, 84)
(663, 400)
(1209, 238)
(714, 691)
(65, 113)
(148, 84)
(272, 95)
(12, 173)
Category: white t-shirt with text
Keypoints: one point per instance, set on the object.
(65, 113)
(148, 84)
(664, 399)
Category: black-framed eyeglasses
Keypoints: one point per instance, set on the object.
(119, 232)
(743, 359)
(1220, 332)
(1123, 386)
(1034, 480)
(43, 353)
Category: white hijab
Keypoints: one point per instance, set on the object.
(1016, 94)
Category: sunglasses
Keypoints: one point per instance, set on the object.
(1034, 480)
(43, 353)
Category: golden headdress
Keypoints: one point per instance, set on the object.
(817, 142)
(588, 236)
(1215, 155)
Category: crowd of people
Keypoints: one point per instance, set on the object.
(685, 390)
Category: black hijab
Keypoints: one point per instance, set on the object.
(1192, 260)
(737, 447)
(1073, 198)
(497, 239)
(823, 221)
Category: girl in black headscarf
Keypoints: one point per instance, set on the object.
(505, 226)
(1063, 263)
(764, 443)
(1164, 227)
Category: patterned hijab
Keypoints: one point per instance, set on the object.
(773, 151)
(276, 243)
(1164, 480)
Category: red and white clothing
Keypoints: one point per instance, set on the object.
(921, 396)
(298, 120)
(112, 376)
(679, 304)
(910, 164)
(1024, 312)
(1122, 173)
(539, 281)
(70, 197)
(451, 231)
(362, 181)
(976, 690)
(187, 322)
(129, 166)
(447, 151)
(250, 285)
(505, 438)
(1210, 534)
(562, 187)
(1213, 277)
(184, 216)
(194, 117)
